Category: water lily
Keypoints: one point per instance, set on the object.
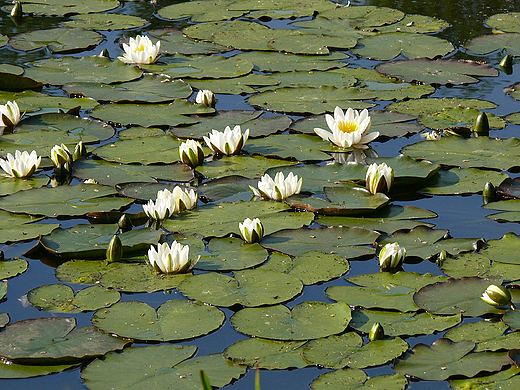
(114, 250)
(171, 259)
(191, 153)
(61, 158)
(376, 332)
(10, 114)
(140, 50)
(21, 165)
(228, 142)
(349, 129)
(379, 178)
(205, 96)
(431, 136)
(391, 256)
(251, 230)
(161, 209)
(279, 188)
(185, 198)
(497, 296)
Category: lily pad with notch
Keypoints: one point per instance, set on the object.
(9, 268)
(475, 264)
(20, 227)
(489, 336)
(57, 40)
(504, 378)
(229, 254)
(457, 181)
(201, 11)
(59, 8)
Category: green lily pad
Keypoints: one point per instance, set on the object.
(220, 220)
(311, 267)
(149, 89)
(313, 79)
(10, 268)
(235, 86)
(400, 324)
(127, 369)
(421, 107)
(305, 321)
(13, 370)
(174, 320)
(301, 42)
(3, 40)
(31, 102)
(16, 82)
(269, 354)
(384, 47)
(146, 191)
(61, 8)
(411, 280)
(173, 41)
(445, 358)
(111, 174)
(277, 10)
(507, 379)
(489, 336)
(365, 16)
(501, 250)
(512, 319)
(419, 24)
(336, 352)
(63, 200)
(226, 188)
(20, 227)
(504, 22)
(248, 288)
(346, 242)
(459, 181)
(140, 132)
(60, 298)
(353, 379)
(54, 340)
(452, 72)
(201, 11)
(108, 22)
(64, 70)
(57, 40)
(10, 185)
(474, 264)
(3, 292)
(488, 43)
(457, 296)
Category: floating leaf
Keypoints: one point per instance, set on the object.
(504, 379)
(201, 11)
(57, 40)
(10, 268)
(109, 22)
(174, 320)
(489, 336)
(13, 370)
(504, 22)
(458, 181)
(501, 250)
(365, 16)
(352, 379)
(59, 8)
(301, 42)
(229, 254)
(16, 82)
(411, 280)
(277, 10)
(485, 44)
(307, 320)
(173, 41)
(474, 264)
(20, 227)
(381, 297)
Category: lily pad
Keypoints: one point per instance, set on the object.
(201, 11)
(17, 82)
(174, 320)
(353, 379)
(20, 227)
(277, 10)
(501, 250)
(504, 22)
(60, 298)
(475, 264)
(173, 41)
(10, 268)
(60, 8)
(489, 336)
(365, 16)
(389, 297)
(310, 79)
(13, 370)
(228, 254)
(459, 181)
(506, 379)
(488, 43)
(305, 321)
(105, 22)
(248, 288)
(301, 42)
(57, 40)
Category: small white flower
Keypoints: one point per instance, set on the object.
(172, 259)
(431, 136)
(161, 209)
(9, 114)
(21, 165)
(185, 198)
(90, 181)
(228, 142)
(251, 230)
(205, 96)
(379, 178)
(140, 50)
(391, 256)
(191, 153)
(279, 188)
(349, 129)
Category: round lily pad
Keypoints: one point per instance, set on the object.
(107, 22)
(10, 268)
(20, 227)
(489, 336)
(458, 181)
(173, 41)
(201, 11)
(229, 254)
(488, 43)
(352, 379)
(58, 7)
(57, 40)
(502, 379)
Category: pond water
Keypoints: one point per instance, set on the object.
(462, 215)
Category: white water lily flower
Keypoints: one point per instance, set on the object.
(191, 153)
(140, 50)
(391, 256)
(228, 142)
(172, 259)
(9, 114)
(185, 198)
(251, 230)
(60, 156)
(431, 136)
(205, 96)
(349, 129)
(379, 178)
(496, 295)
(279, 188)
(161, 209)
(21, 165)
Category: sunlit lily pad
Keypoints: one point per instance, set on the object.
(19, 227)
(60, 298)
(54, 340)
(458, 181)
(174, 320)
(31, 101)
(349, 243)
(412, 280)
(248, 288)
(307, 320)
(140, 132)
(3, 292)
(127, 369)
(475, 264)
(501, 250)
(235, 86)
(281, 10)
(109, 22)
(201, 11)
(445, 358)
(488, 43)
(227, 188)
(353, 379)
(149, 89)
(230, 253)
(173, 41)
(13, 370)
(10, 185)
(400, 324)
(453, 72)
(10, 268)
(506, 379)
(61, 8)
(365, 16)
(313, 79)
(269, 354)
(416, 24)
(57, 40)
(301, 42)
(336, 352)
(147, 191)
(504, 22)
(489, 336)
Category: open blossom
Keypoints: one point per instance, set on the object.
(160, 209)
(22, 164)
(9, 114)
(349, 129)
(391, 256)
(251, 230)
(379, 178)
(279, 188)
(228, 142)
(205, 96)
(171, 259)
(140, 50)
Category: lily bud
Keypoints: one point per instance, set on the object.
(79, 151)
(251, 230)
(104, 53)
(481, 125)
(2, 256)
(489, 193)
(506, 64)
(62, 159)
(206, 97)
(16, 11)
(376, 332)
(497, 296)
(125, 224)
(391, 256)
(191, 153)
(114, 250)
(379, 178)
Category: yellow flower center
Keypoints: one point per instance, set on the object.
(348, 126)
(140, 48)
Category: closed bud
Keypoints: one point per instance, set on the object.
(251, 230)
(191, 153)
(125, 224)
(497, 296)
(114, 250)
(481, 125)
(79, 151)
(2, 256)
(104, 53)
(206, 97)
(506, 64)
(62, 159)
(379, 178)
(391, 256)
(16, 11)
(376, 332)
(489, 193)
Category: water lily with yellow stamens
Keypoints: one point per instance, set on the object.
(171, 259)
(349, 129)
(140, 50)
(21, 165)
